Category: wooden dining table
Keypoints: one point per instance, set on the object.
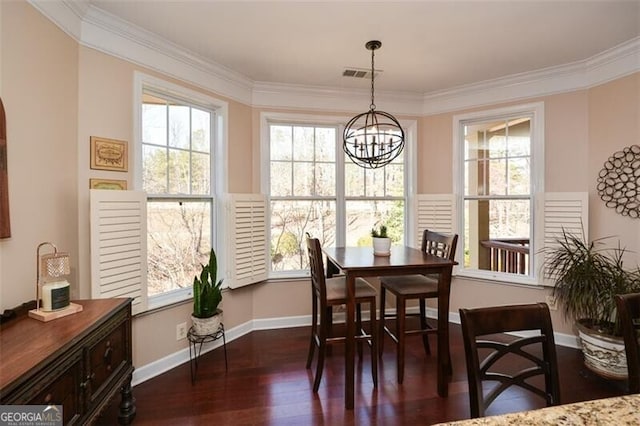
(360, 262)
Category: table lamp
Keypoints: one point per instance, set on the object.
(52, 288)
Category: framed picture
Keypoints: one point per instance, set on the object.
(107, 184)
(109, 154)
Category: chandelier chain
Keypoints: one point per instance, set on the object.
(373, 104)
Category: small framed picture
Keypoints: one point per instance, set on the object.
(109, 154)
(107, 184)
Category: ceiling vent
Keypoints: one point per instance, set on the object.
(359, 73)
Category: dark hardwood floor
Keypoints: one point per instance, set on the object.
(267, 384)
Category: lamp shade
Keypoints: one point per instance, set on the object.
(54, 265)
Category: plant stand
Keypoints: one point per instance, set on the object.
(195, 348)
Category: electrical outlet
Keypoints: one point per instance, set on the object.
(181, 331)
(552, 302)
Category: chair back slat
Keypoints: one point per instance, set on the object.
(440, 245)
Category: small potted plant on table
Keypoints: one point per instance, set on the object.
(207, 295)
(381, 241)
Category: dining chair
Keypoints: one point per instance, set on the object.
(491, 354)
(629, 316)
(415, 287)
(329, 292)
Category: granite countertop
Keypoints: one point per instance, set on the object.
(621, 410)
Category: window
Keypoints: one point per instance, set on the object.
(178, 156)
(313, 187)
(500, 168)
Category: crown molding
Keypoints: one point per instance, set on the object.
(320, 98)
(104, 32)
(611, 64)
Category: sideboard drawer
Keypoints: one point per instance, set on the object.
(63, 389)
(108, 359)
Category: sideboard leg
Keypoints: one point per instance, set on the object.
(127, 405)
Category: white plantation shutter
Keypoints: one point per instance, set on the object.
(568, 211)
(119, 246)
(247, 239)
(436, 213)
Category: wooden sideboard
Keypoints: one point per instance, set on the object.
(79, 361)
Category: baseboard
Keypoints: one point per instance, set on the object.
(153, 369)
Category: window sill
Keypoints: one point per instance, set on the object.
(494, 278)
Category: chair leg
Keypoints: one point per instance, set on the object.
(314, 330)
(424, 326)
(381, 332)
(374, 342)
(359, 329)
(322, 349)
(400, 327)
(329, 323)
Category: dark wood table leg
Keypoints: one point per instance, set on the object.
(350, 343)
(443, 332)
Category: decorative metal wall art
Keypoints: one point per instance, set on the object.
(619, 182)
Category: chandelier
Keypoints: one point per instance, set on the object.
(374, 138)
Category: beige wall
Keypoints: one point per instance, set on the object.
(40, 96)
(58, 94)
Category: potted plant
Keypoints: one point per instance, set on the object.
(381, 241)
(207, 295)
(587, 277)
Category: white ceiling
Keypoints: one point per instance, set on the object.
(427, 46)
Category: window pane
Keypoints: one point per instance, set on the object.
(281, 143)
(394, 180)
(326, 144)
(154, 164)
(200, 172)
(326, 179)
(178, 239)
(281, 185)
(519, 176)
(179, 129)
(374, 182)
(364, 215)
(499, 225)
(303, 179)
(154, 124)
(303, 143)
(290, 220)
(497, 177)
(200, 130)
(497, 144)
(354, 177)
(178, 172)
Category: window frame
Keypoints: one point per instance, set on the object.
(315, 120)
(218, 167)
(536, 111)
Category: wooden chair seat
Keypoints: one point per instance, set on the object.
(337, 290)
(408, 285)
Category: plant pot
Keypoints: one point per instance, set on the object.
(603, 354)
(381, 246)
(206, 326)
